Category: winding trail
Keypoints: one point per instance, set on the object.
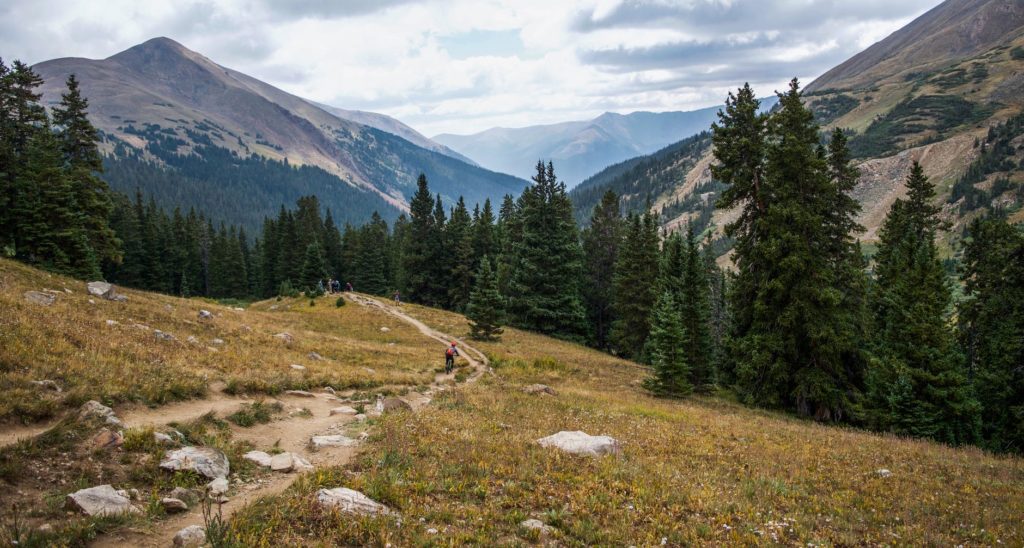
(290, 434)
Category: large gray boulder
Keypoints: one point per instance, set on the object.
(350, 502)
(192, 536)
(102, 500)
(205, 461)
(104, 290)
(581, 443)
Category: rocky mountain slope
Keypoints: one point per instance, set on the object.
(159, 99)
(954, 105)
(578, 149)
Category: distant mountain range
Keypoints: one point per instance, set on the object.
(947, 90)
(181, 120)
(578, 149)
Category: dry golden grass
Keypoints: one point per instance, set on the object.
(71, 343)
(692, 472)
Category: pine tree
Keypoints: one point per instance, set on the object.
(601, 241)
(459, 256)
(992, 328)
(508, 231)
(635, 286)
(370, 268)
(485, 242)
(916, 385)
(313, 267)
(546, 262)
(665, 348)
(486, 310)
(331, 239)
(694, 309)
(423, 252)
(79, 144)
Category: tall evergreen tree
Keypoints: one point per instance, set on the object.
(665, 348)
(314, 267)
(601, 240)
(485, 242)
(917, 384)
(635, 286)
(370, 273)
(694, 309)
(423, 252)
(459, 256)
(992, 328)
(486, 310)
(544, 282)
(79, 145)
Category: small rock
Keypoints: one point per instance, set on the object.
(163, 439)
(68, 291)
(259, 457)
(164, 336)
(432, 531)
(315, 357)
(168, 308)
(369, 370)
(205, 461)
(186, 495)
(581, 443)
(320, 442)
(360, 417)
(285, 337)
(301, 464)
(883, 472)
(48, 385)
(537, 525)
(141, 326)
(107, 439)
(350, 501)
(192, 339)
(205, 315)
(218, 486)
(101, 500)
(392, 404)
(238, 309)
(112, 323)
(192, 536)
(539, 389)
(344, 410)
(385, 330)
(173, 506)
(282, 462)
(44, 529)
(329, 390)
(40, 298)
(217, 342)
(95, 409)
(298, 367)
(300, 393)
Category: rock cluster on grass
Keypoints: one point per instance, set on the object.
(102, 500)
(164, 336)
(40, 298)
(539, 389)
(107, 439)
(351, 502)
(537, 525)
(192, 536)
(287, 338)
(48, 385)
(581, 443)
(205, 315)
(104, 290)
(93, 409)
(335, 440)
(205, 461)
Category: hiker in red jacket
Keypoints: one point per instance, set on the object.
(449, 358)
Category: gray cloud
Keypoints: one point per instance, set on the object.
(331, 9)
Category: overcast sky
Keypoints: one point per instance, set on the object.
(462, 66)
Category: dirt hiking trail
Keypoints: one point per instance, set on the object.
(290, 433)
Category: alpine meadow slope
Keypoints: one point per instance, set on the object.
(464, 468)
(946, 90)
(159, 104)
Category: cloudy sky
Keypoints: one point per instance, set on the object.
(462, 66)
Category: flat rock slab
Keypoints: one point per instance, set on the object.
(102, 500)
(581, 443)
(300, 393)
(192, 536)
(40, 298)
(344, 410)
(259, 457)
(289, 462)
(320, 442)
(539, 389)
(350, 501)
(205, 461)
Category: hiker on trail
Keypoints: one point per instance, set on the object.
(320, 286)
(449, 358)
(398, 298)
(330, 285)
(348, 286)
(336, 286)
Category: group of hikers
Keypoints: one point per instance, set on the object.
(331, 285)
